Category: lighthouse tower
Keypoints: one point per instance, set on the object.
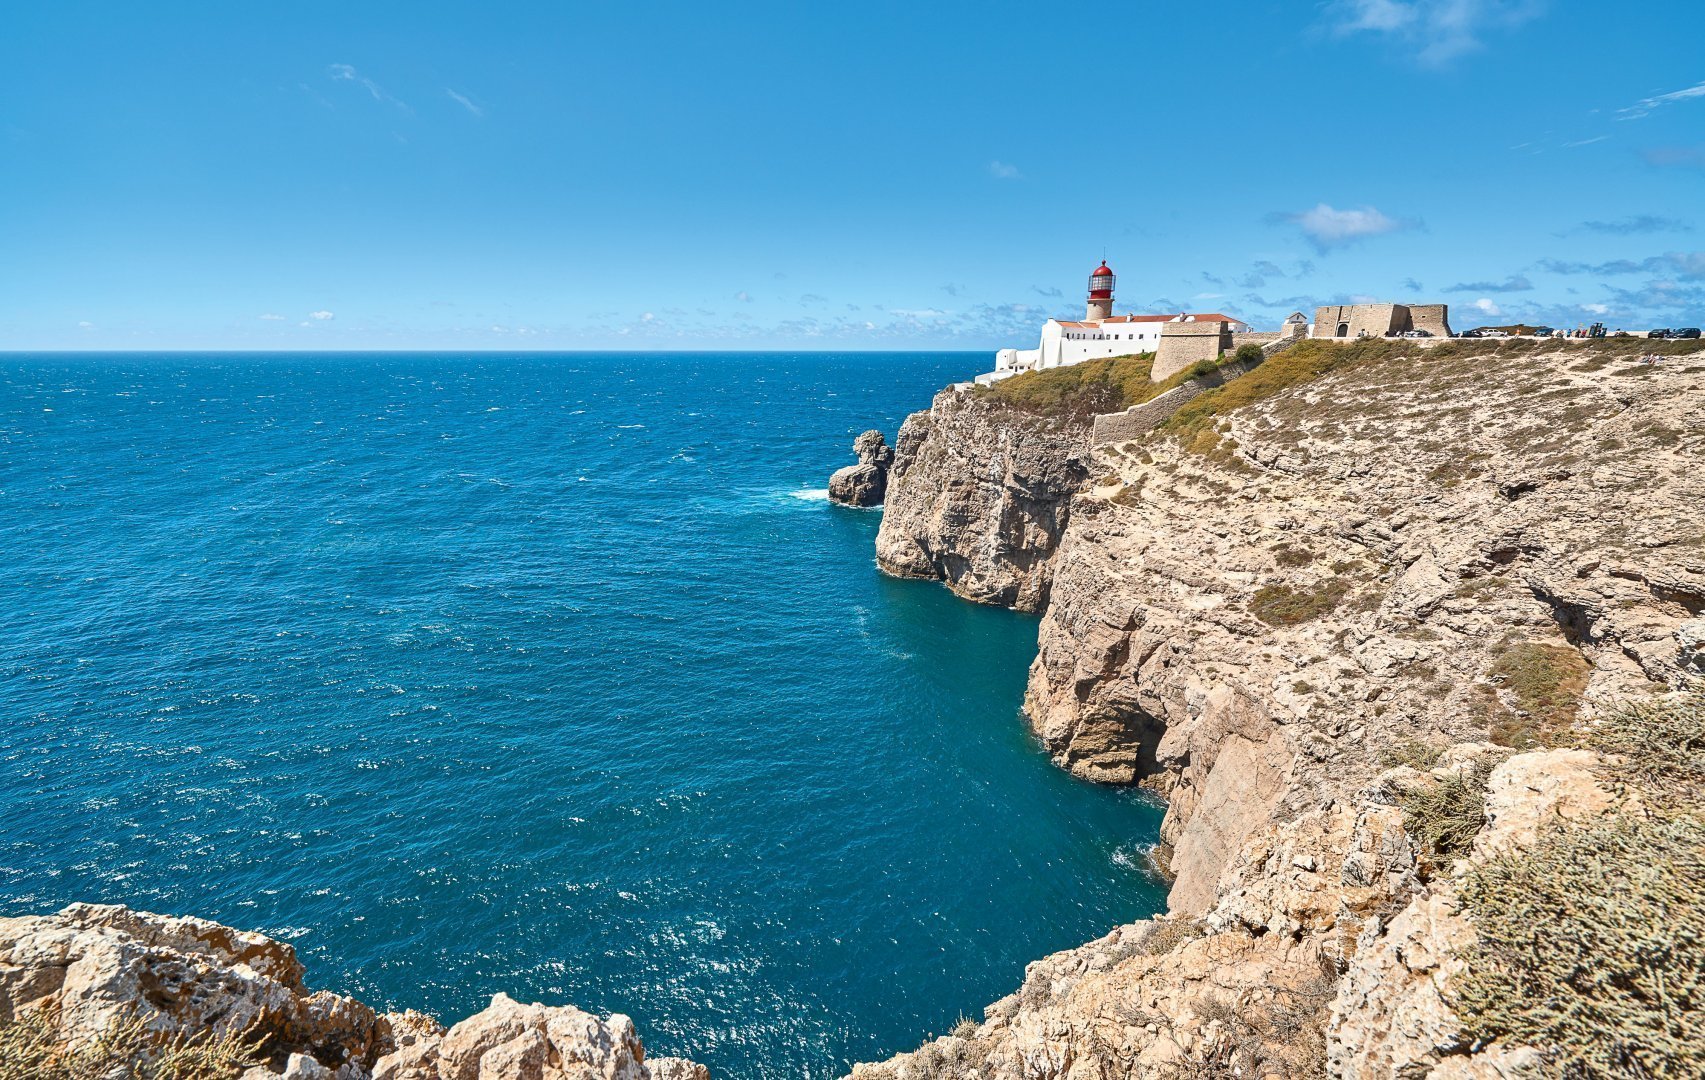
(1100, 294)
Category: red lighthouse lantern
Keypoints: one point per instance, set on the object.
(1101, 283)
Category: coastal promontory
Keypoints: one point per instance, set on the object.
(1408, 639)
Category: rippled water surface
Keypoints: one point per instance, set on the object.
(551, 675)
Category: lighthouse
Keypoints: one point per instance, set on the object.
(1100, 294)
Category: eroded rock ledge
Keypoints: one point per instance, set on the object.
(92, 967)
(978, 498)
(1411, 559)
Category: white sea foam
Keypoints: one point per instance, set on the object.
(812, 494)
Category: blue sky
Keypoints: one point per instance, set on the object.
(877, 175)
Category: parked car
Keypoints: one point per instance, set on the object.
(1688, 332)
(1492, 333)
(1657, 333)
(1416, 333)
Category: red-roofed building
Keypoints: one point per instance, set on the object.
(1099, 334)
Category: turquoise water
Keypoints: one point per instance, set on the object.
(550, 675)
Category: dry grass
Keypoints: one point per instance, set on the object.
(1300, 364)
(1281, 605)
(1547, 682)
(30, 1049)
(1411, 752)
(1080, 390)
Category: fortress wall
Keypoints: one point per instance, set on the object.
(1376, 319)
(1183, 344)
(1432, 318)
(1255, 337)
(1141, 419)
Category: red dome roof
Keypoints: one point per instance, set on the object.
(1102, 269)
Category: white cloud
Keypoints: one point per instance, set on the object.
(1485, 306)
(1382, 15)
(465, 102)
(347, 73)
(270, 317)
(1646, 106)
(743, 296)
(1328, 227)
(86, 324)
(1436, 30)
(1000, 170)
(323, 316)
(1596, 309)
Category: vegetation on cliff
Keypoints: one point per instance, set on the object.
(1592, 946)
(31, 1049)
(1546, 682)
(1079, 391)
(1082, 390)
(1446, 816)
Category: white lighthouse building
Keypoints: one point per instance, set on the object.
(1100, 334)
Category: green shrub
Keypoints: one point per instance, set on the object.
(1592, 948)
(1444, 817)
(1661, 745)
(129, 1050)
(1281, 605)
(1248, 354)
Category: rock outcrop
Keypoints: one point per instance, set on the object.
(979, 496)
(866, 483)
(1405, 559)
(93, 966)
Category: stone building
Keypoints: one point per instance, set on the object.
(1184, 343)
(1101, 334)
(1380, 320)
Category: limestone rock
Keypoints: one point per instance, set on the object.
(979, 498)
(858, 485)
(97, 963)
(866, 483)
(873, 449)
(512, 1041)
(1259, 634)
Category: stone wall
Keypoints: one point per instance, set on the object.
(1433, 318)
(1378, 320)
(1184, 343)
(1255, 337)
(1141, 419)
(1375, 320)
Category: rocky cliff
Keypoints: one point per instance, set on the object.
(1412, 643)
(94, 989)
(978, 496)
(1315, 607)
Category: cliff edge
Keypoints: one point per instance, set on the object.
(1379, 623)
(99, 991)
(978, 497)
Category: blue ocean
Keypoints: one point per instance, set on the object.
(554, 675)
